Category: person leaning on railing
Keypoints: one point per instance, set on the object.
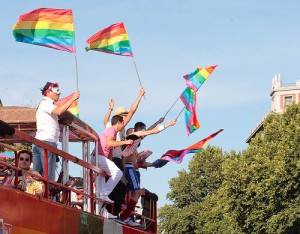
(26, 182)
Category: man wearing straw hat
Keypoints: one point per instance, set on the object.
(119, 192)
(47, 126)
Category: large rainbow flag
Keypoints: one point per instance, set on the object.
(47, 27)
(188, 97)
(195, 79)
(178, 155)
(111, 40)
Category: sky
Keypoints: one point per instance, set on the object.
(250, 41)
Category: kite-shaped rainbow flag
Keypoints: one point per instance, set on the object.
(74, 106)
(111, 40)
(195, 79)
(178, 155)
(188, 97)
(47, 27)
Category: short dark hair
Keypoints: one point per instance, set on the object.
(139, 126)
(116, 119)
(129, 131)
(25, 151)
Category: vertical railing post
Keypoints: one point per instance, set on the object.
(65, 147)
(86, 177)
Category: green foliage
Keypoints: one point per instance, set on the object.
(255, 191)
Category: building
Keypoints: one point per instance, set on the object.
(282, 95)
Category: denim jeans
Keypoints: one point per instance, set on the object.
(38, 160)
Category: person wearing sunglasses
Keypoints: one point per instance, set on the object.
(48, 127)
(26, 182)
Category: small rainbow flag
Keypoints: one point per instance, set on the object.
(195, 79)
(111, 40)
(178, 155)
(74, 106)
(47, 27)
(188, 97)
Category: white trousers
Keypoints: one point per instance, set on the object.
(105, 164)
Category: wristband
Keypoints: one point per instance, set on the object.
(161, 127)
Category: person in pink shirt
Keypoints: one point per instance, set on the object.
(106, 142)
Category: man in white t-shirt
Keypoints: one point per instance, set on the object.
(47, 126)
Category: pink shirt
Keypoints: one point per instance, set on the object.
(103, 148)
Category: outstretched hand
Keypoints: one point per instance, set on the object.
(162, 119)
(111, 104)
(142, 91)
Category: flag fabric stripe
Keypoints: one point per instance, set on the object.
(48, 16)
(178, 155)
(100, 36)
(111, 40)
(44, 25)
(121, 40)
(48, 41)
(47, 27)
(196, 79)
(44, 33)
(112, 28)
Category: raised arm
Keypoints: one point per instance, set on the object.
(134, 107)
(111, 104)
(64, 107)
(113, 143)
(155, 130)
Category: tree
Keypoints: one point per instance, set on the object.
(190, 188)
(255, 191)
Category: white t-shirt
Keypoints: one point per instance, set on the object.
(117, 151)
(47, 123)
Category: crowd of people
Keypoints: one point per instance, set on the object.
(117, 154)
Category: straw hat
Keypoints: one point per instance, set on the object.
(120, 110)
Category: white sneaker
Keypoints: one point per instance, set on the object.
(105, 214)
(131, 223)
(106, 198)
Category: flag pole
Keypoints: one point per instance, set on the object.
(137, 72)
(171, 107)
(180, 113)
(76, 71)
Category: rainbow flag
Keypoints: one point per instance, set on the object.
(74, 106)
(178, 155)
(111, 40)
(47, 27)
(188, 97)
(195, 79)
(7, 154)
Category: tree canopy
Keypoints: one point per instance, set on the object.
(254, 191)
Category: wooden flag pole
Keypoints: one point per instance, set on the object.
(171, 107)
(76, 72)
(137, 72)
(180, 113)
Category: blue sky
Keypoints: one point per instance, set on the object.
(250, 41)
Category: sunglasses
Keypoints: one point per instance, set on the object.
(26, 159)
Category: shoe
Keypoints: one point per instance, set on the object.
(119, 220)
(105, 214)
(131, 223)
(106, 198)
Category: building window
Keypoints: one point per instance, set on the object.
(288, 100)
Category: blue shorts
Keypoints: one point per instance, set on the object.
(132, 177)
